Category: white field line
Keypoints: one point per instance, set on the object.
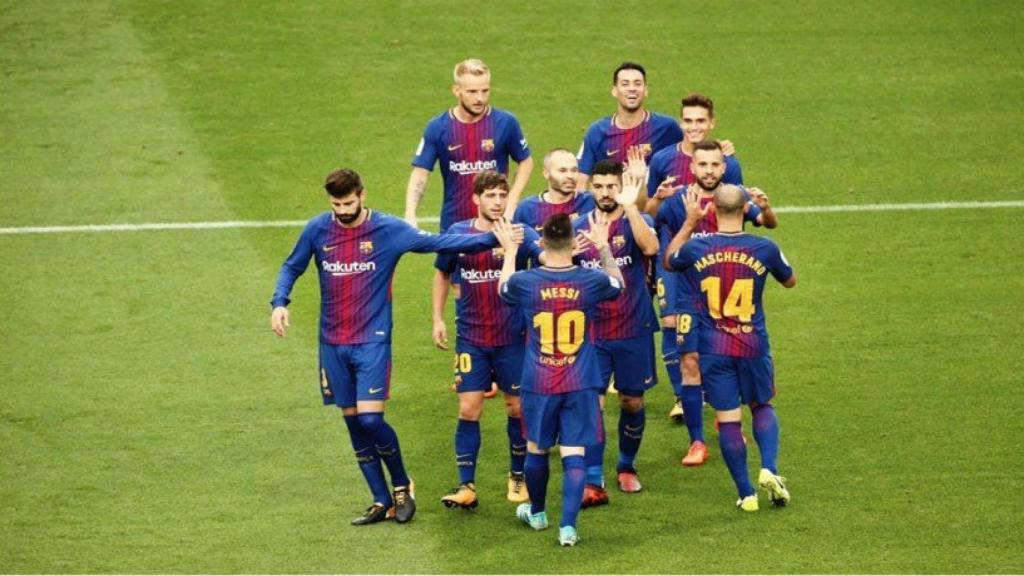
(434, 220)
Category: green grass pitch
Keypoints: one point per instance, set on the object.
(150, 422)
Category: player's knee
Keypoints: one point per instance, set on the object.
(631, 404)
(691, 368)
(470, 408)
(734, 415)
(512, 406)
(668, 321)
(371, 420)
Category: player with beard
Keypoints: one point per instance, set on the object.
(708, 168)
(670, 171)
(356, 250)
(631, 127)
(561, 195)
(623, 328)
(489, 339)
(470, 138)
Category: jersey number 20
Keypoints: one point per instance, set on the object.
(564, 332)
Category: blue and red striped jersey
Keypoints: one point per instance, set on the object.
(356, 266)
(631, 314)
(606, 141)
(731, 271)
(464, 150)
(481, 317)
(671, 216)
(557, 306)
(672, 161)
(534, 211)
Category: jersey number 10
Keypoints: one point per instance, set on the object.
(739, 303)
(565, 333)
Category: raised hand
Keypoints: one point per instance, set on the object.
(694, 211)
(635, 163)
(598, 233)
(506, 234)
(581, 245)
(758, 197)
(728, 149)
(630, 189)
(666, 189)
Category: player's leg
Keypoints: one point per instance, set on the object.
(372, 364)
(722, 383)
(669, 340)
(508, 370)
(580, 424)
(337, 387)
(595, 493)
(635, 369)
(757, 378)
(692, 394)
(472, 378)
(540, 414)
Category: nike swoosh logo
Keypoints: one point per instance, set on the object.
(460, 456)
(634, 428)
(329, 248)
(612, 152)
(517, 386)
(648, 380)
(453, 148)
(375, 390)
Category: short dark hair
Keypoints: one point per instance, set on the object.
(607, 167)
(698, 99)
(343, 182)
(628, 66)
(708, 145)
(487, 180)
(557, 232)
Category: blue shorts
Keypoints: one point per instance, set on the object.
(355, 372)
(569, 419)
(630, 360)
(687, 331)
(730, 382)
(477, 366)
(667, 290)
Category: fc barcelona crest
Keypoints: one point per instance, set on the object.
(618, 241)
(487, 145)
(645, 149)
(366, 246)
(498, 253)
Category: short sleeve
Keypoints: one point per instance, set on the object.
(606, 287)
(446, 263)
(778, 265)
(655, 176)
(684, 257)
(426, 152)
(733, 171)
(587, 155)
(518, 148)
(529, 252)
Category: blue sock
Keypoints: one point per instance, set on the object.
(516, 444)
(386, 442)
(631, 432)
(593, 460)
(693, 411)
(537, 472)
(734, 452)
(573, 482)
(467, 449)
(766, 434)
(670, 355)
(368, 461)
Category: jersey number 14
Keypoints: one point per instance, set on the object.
(739, 303)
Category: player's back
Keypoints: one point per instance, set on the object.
(731, 271)
(557, 305)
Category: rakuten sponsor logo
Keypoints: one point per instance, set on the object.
(466, 167)
(595, 263)
(478, 276)
(347, 268)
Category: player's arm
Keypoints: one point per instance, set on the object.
(694, 214)
(414, 193)
(597, 235)
(780, 268)
(293, 267)
(767, 218)
(523, 171)
(506, 235)
(439, 296)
